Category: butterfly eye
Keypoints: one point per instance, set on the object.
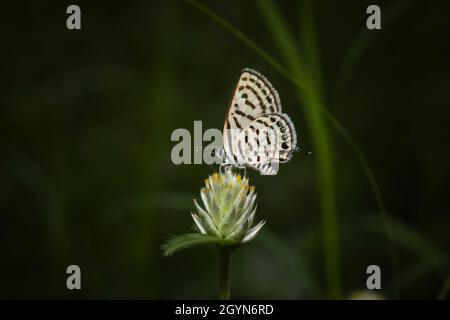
(279, 123)
(244, 96)
(283, 129)
(284, 145)
(284, 136)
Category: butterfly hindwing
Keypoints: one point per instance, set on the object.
(285, 133)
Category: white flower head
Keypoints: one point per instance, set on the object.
(229, 207)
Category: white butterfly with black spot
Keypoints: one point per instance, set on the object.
(256, 133)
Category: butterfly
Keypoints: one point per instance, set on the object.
(256, 133)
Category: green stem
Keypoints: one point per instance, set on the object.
(224, 273)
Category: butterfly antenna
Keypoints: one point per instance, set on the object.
(298, 149)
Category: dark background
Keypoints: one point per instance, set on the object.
(86, 176)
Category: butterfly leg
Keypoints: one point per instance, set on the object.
(242, 168)
(245, 171)
(224, 167)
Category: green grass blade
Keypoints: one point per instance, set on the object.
(284, 39)
(320, 137)
(360, 45)
(388, 229)
(248, 42)
(334, 121)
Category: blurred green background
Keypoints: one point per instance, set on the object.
(86, 118)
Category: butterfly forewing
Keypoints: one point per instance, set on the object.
(253, 96)
(256, 132)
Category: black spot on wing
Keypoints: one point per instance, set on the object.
(261, 103)
(242, 114)
(237, 122)
(251, 105)
(264, 123)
